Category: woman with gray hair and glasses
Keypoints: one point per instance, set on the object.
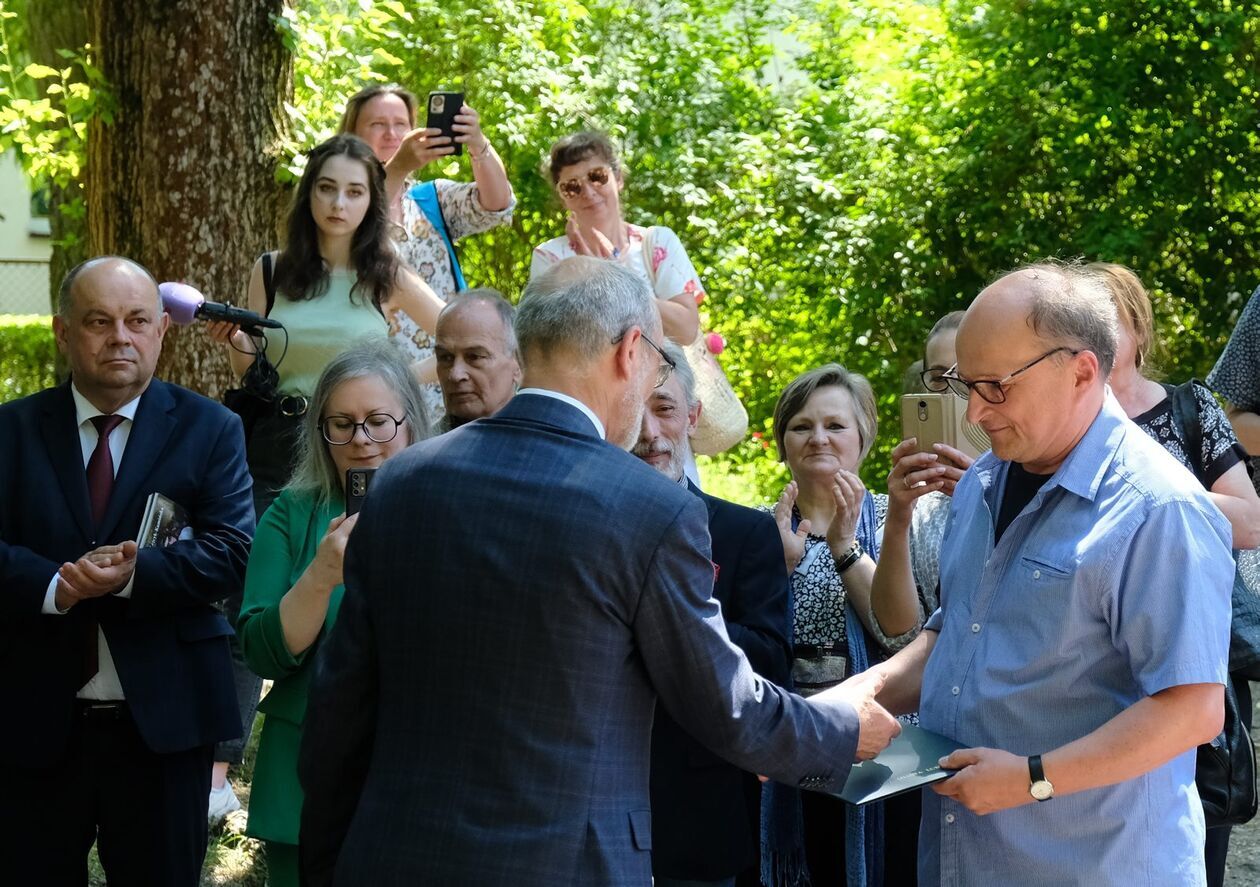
(366, 407)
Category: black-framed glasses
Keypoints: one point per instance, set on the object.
(377, 427)
(663, 371)
(933, 379)
(994, 390)
(598, 176)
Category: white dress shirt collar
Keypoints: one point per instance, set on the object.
(84, 410)
(571, 401)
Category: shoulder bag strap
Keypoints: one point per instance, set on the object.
(269, 282)
(649, 242)
(425, 195)
(1186, 409)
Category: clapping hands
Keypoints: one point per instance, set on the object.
(104, 570)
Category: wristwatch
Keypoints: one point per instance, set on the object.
(1041, 788)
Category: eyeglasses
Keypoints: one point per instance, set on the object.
(571, 189)
(994, 390)
(933, 379)
(665, 369)
(377, 427)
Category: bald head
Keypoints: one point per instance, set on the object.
(1046, 333)
(106, 265)
(1060, 304)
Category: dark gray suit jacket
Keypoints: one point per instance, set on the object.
(518, 592)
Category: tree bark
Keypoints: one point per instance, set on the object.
(182, 178)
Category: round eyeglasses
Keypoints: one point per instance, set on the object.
(377, 427)
(934, 379)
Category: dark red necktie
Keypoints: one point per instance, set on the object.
(100, 467)
(100, 481)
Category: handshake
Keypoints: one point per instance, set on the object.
(876, 727)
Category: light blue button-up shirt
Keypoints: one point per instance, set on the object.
(1111, 585)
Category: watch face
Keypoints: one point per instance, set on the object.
(1042, 790)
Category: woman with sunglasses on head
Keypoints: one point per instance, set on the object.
(589, 179)
(365, 408)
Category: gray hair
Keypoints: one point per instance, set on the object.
(492, 297)
(65, 293)
(682, 371)
(583, 305)
(1078, 309)
(314, 471)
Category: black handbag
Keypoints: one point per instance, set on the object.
(1225, 770)
(257, 394)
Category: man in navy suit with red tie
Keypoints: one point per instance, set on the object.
(114, 664)
(706, 812)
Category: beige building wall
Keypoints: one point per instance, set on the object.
(24, 245)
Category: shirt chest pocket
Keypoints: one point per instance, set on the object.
(1045, 586)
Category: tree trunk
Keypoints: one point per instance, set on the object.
(182, 179)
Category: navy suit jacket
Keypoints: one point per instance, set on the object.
(705, 812)
(168, 642)
(518, 592)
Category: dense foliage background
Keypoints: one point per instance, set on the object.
(841, 172)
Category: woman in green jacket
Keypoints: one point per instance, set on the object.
(366, 408)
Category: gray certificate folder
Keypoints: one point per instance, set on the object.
(909, 763)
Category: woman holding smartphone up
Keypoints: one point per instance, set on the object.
(429, 216)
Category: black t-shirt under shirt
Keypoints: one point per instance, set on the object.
(1021, 486)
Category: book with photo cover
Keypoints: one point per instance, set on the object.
(910, 762)
(165, 522)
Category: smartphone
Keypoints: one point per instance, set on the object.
(443, 106)
(930, 418)
(357, 482)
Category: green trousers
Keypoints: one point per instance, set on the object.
(282, 864)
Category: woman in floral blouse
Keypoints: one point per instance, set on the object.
(589, 179)
(385, 118)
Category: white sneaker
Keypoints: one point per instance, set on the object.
(222, 802)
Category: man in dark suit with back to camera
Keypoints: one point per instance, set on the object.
(706, 812)
(114, 664)
(518, 593)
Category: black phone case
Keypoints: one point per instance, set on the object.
(357, 482)
(443, 106)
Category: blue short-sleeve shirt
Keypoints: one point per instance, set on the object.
(1111, 585)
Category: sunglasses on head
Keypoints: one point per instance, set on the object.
(572, 188)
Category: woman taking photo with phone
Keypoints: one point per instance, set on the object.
(589, 179)
(429, 216)
(337, 280)
(365, 408)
